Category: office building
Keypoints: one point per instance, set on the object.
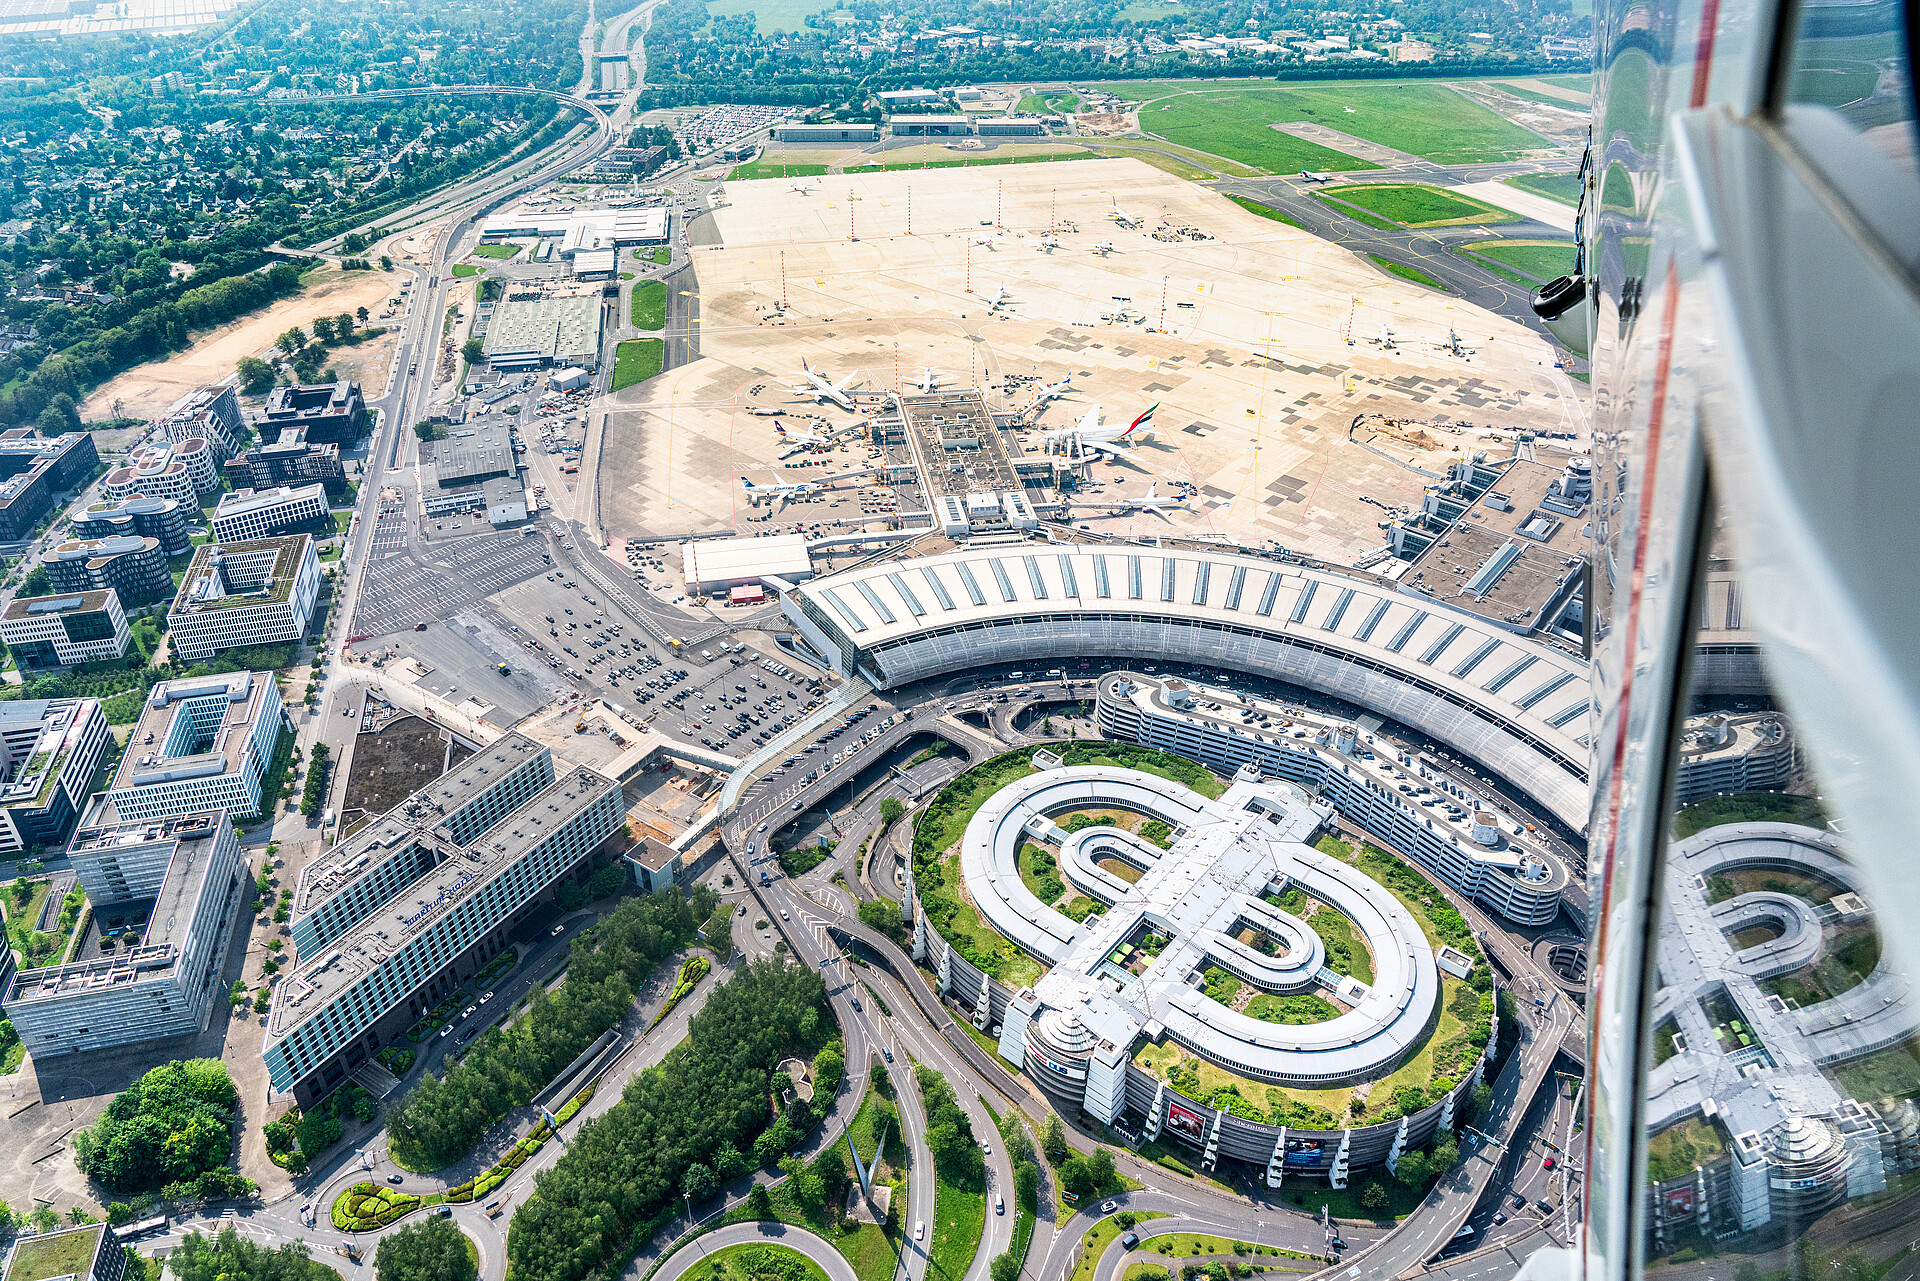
(332, 413)
(259, 592)
(52, 747)
(474, 454)
(289, 459)
(583, 229)
(184, 875)
(52, 1254)
(656, 865)
(401, 914)
(162, 519)
(135, 568)
(34, 471)
(160, 470)
(211, 413)
(534, 332)
(262, 513)
(201, 742)
(61, 631)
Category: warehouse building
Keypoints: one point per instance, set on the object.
(164, 519)
(533, 332)
(915, 126)
(826, 133)
(249, 513)
(252, 593)
(1010, 127)
(506, 500)
(184, 876)
(414, 905)
(133, 566)
(61, 631)
(332, 413)
(52, 747)
(34, 471)
(202, 742)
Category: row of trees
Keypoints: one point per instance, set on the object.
(315, 791)
(712, 1092)
(441, 1120)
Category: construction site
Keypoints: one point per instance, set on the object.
(1296, 391)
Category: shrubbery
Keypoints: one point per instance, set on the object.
(170, 1127)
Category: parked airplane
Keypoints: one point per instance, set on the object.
(803, 188)
(1455, 345)
(1121, 216)
(928, 381)
(1049, 242)
(1103, 438)
(1000, 298)
(987, 242)
(1051, 392)
(1308, 175)
(821, 388)
(803, 438)
(757, 494)
(1385, 339)
(1161, 506)
(1104, 248)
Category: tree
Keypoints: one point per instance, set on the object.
(1373, 1197)
(759, 1204)
(431, 1249)
(877, 1077)
(890, 811)
(343, 324)
(1413, 1169)
(175, 1123)
(1445, 1154)
(1026, 1183)
(361, 312)
(291, 340)
(473, 351)
(1005, 1268)
(699, 1182)
(256, 375)
(829, 1066)
(323, 330)
(884, 917)
(1053, 1139)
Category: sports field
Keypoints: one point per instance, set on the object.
(1227, 118)
(1417, 205)
(1564, 187)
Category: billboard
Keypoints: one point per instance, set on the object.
(1186, 1122)
(1036, 1056)
(1308, 1152)
(1679, 1202)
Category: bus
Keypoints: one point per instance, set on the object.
(133, 1231)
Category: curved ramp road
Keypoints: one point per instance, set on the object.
(697, 1251)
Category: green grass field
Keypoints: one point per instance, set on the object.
(1540, 259)
(650, 305)
(958, 1216)
(1405, 272)
(662, 255)
(1072, 153)
(497, 251)
(1264, 211)
(761, 169)
(1358, 215)
(464, 269)
(768, 15)
(1056, 100)
(1545, 99)
(1415, 205)
(637, 361)
(747, 1262)
(1564, 187)
(1420, 117)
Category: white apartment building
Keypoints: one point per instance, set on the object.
(200, 743)
(248, 514)
(59, 631)
(259, 592)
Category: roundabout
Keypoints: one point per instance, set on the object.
(794, 1254)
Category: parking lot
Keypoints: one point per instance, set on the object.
(401, 592)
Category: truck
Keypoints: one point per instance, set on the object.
(504, 669)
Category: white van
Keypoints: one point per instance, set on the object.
(707, 654)
(919, 1229)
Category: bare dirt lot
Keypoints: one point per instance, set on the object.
(147, 390)
(394, 762)
(1261, 344)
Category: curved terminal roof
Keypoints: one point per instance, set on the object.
(1517, 704)
(1198, 894)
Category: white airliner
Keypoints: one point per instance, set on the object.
(804, 438)
(757, 494)
(1049, 242)
(803, 188)
(1000, 298)
(987, 242)
(1385, 338)
(1052, 392)
(1455, 345)
(1308, 175)
(1121, 216)
(1161, 506)
(1102, 438)
(821, 388)
(928, 381)
(1104, 248)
